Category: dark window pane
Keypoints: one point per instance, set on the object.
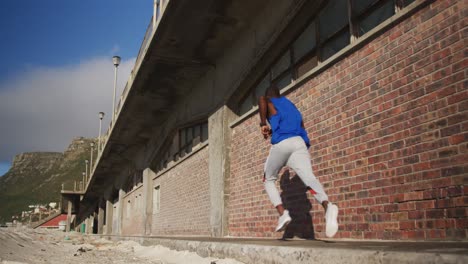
(281, 65)
(188, 149)
(305, 43)
(205, 132)
(306, 65)
(246, 105)
(407, 2)
(360, 6)
(196, 134)
(182, 138)
(261, 87)
(188, 135)
(335, 45)
(283, 81)
(175, 144)
(333, 18)
(376, 17)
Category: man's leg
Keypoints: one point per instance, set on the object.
(299, 161)
(275, 161)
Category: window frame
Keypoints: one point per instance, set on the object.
(180, 146)
(358, 18)
(352, 27)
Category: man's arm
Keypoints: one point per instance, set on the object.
(263, 111)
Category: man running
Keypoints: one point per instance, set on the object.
(290, 145)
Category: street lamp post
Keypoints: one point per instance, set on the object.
(101, 116)
(86, 170)
(91, 160)
(84, 181)
(116, 61)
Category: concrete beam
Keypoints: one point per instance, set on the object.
(101, 213)
(86, 222)
(148, 175)
(89, 224)
(69, 215)
(219, 142)
(109, 212)
(120, 204)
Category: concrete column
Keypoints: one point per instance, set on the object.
(109, 212)
(148, 176)
(69, 215)
(120, 213)
(89, 224)
(86, 222)
(219, 147)
(100, 219)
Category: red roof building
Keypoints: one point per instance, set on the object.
(54, 222)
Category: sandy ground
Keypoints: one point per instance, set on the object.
(28, 246)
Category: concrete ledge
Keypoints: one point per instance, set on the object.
(313, 251)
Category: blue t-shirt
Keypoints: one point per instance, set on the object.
(286, 123)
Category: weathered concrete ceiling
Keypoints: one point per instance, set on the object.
(189, 38)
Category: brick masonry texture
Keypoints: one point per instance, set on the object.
(133, 211)
(389, 129)
(185, 201)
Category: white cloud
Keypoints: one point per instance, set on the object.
(43, 109)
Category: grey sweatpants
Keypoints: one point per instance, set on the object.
(293, 153)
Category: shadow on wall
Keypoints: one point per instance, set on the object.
(294, 196)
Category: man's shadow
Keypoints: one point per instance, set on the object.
(294, 197)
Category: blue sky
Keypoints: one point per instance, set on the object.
(56, 71)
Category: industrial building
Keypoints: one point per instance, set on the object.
(382, 88)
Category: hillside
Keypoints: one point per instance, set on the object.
(37, 177)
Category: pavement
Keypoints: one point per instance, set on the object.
(271, 251)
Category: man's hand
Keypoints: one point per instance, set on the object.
(263, 105)
(266, 131)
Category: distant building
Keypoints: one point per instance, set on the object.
(382, 88)
(53, 222)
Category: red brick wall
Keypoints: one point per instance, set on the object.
(389, 129)
(132, 222)
(185, 200)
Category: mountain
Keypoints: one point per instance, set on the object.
(37, 177)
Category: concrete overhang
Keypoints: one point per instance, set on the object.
(70, 196)
(188, 39)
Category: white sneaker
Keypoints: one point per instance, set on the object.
(283, 221)
(331, 220)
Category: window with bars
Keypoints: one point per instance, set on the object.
(183, 143)
(331, 30)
